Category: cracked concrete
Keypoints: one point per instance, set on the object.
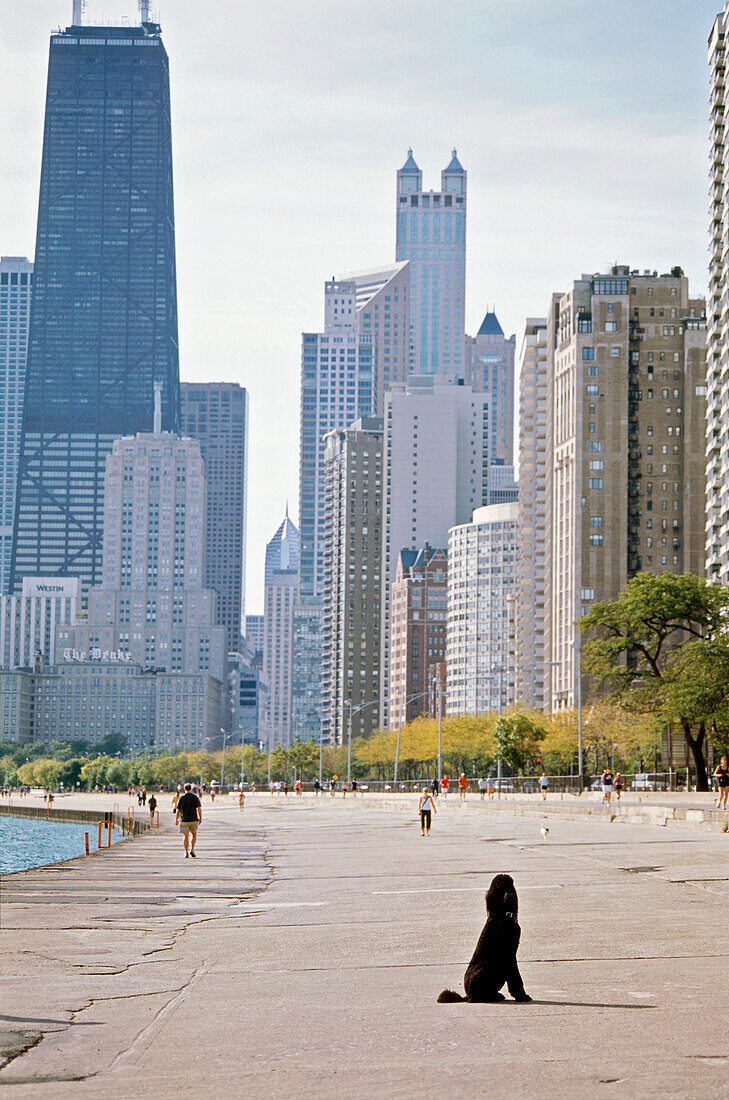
(303, 951)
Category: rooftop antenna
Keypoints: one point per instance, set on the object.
(78, 12)
(157, 426)
(143, 11)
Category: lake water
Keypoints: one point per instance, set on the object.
(32, 842)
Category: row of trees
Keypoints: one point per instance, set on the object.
(657, 655)
(527, 742)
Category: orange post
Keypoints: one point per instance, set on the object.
(86, 842)
(101, 825)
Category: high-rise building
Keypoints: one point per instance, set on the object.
(382, 303)
(16, 281)
(419, 597)
(626, 379)
(431, 234)
(306, 668)
(254, 635)
(503, 488)
(352, 576)
(248, 699)
(490, 370)
(481, 578)
(152, 605)
(336, 389)
(436, 466)
(532, 617)
(281, 593)
(216, 415)
(28, 622)
(103, 318)
(717, 360)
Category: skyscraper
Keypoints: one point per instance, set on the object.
(532, 617)
(431, 234)
(352, 573)
(717, 401)
(481, 577)
(152, 605)
(418, 615)
(16, 279)
(382, 303)
(626, 475)
(280, 595)
(103, 320)
(436, 467)
(216, 415)
(336, 389)
(490, 370)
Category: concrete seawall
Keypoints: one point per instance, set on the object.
(128, 826)
(663, 814)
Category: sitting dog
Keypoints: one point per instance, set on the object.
(494, 960)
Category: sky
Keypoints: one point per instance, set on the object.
(583, 127)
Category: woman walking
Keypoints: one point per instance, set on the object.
(426, 806)
(721, 774)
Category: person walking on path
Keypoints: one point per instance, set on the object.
(189, 809)
(543, 784)
(426, 806)
(607, 784)
(482, 788)
(152, 807)
(242, 799)
(721, 773)
(618, 785)
(462, 786)
(444, 785)
(434, 788)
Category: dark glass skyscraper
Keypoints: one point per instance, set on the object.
(103, 322)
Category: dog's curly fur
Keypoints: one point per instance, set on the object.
(494, 960)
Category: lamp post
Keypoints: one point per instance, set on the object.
(578, 650)
(355, 710)
(500, 670)
(408, 699)
(438, 685)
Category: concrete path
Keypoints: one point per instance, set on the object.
(302, 953)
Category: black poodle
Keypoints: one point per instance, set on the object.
(494, 960)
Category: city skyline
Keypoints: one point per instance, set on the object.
(518, 249)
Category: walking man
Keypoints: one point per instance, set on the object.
(152, 807)
(189, 808)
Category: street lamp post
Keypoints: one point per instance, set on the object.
(578, 650)
(222, 762)
(439, 690)
(352, 711)
(408, 699)
(500, 670)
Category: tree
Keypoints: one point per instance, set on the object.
(639, 638)
(518, 739)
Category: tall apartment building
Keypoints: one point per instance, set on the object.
(103, 317)
(254, 635)
(503, 488)
(490, 370)
(382, 309)
(436, 463)
(481, 579)
(431, 234)
(281, 593)
(216, 415)
(419, 598)
(16, 283)
(352, 580)
(336, 389)
(151, 605)
(626, 374)
(306, 668)
(532, 618)
(717, 364)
